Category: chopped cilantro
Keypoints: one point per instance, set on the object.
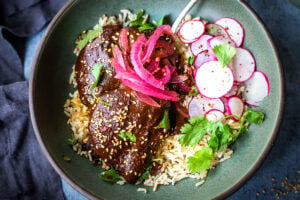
(110, 175)
(145, 174)
(155, 159)
(99, 100)
(160, 21)
(165, 122)
(87, 36)
(72, 140)
(193, 132)
(127, 135)
(201, 160)
(97, 73)
(193, 92)
(138, 20)
(66, 158)
(224, 53)
(146, 26)
(191, 60)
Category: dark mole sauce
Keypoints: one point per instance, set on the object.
(126, 113)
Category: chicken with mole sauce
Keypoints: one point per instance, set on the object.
(138, 84)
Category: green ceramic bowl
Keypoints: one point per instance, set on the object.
(49, 88)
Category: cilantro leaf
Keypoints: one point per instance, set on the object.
(193, 92)
(193, 132)
(224, 53)
(110, 175)
(191, 60)
(201, 160)
(87, 36)
(66, 158)
(97, 73)
(127, 135)
(252, 116)
(160, 21)
(145, 174)
(220, 135)
(155, 159)
(138, 20)
(72, 140)
(165, 122)
(146, 26)
(249, 116)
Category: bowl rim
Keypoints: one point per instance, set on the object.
(257, 164)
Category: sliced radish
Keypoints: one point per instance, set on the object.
(214, 115)
(234, 29)
(216, 30)
(203, 57)
(254, 104)
(212, 80)
(243, 65)
(235, 106)
(212, 42)
(256, 88)
(200, 105)
(234, 90)
(191, 30)
(200, 45)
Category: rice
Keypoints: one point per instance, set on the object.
(173, 156)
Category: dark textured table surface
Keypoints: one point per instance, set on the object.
(283, 21)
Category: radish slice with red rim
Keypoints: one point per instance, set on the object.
(212, 42)
(234, 90)
(203, 57)
(200, 105)
(234, 29)
(214, 115)
(212, 80)
(235, 106)
(191, 30)
(216, 30)
(200, 45)
(243, 65)
(256, 88)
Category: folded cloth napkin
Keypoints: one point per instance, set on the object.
(24, 171)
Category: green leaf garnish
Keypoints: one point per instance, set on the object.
(97, 73)
(146, 26)
(219, 136)
(201, 160)
(87, 36)
(193, 132)
(110, 175)
(155, 159)
(127, 135)
(138, 20)
(145, 174)
(66, 158)
(165, 122)
(193, 92)
(224, 53)
(249, 116)
(191, 60)
(72, 140)
(160, 21)
(252, 116)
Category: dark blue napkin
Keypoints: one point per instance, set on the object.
(24, 171)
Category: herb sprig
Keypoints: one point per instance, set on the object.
(87, 36)
(221, 136)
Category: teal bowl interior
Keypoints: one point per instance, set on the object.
(49, 88)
